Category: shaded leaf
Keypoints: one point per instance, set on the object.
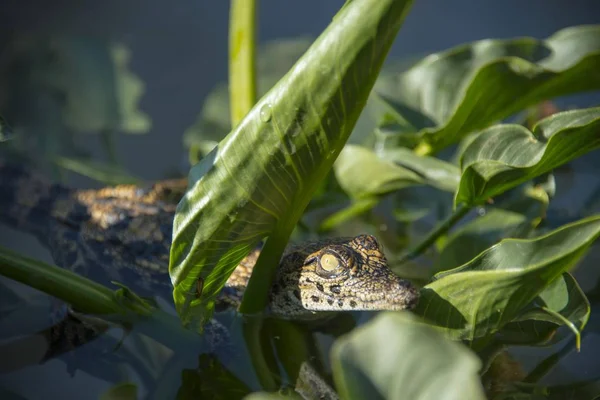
(472, 86)
(362, 174)
(477, 235)
(395, 357)
(504, 156)
(536, 326)
(480, 297)
(435, 172)
(259, 179)
(516, 214)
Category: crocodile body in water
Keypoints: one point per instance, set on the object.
(123, 234)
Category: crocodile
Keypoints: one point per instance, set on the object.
(123, 233)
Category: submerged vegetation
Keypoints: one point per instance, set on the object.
(452, 162)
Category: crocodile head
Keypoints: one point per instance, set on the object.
(338, 274)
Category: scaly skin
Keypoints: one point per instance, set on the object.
(123, 234)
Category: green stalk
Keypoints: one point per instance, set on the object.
(89, 297)
(242, 68)
(255, 296)
(439, 230)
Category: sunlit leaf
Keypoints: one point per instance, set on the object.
(396, 357)
(503, 156)
(259, 179)
(472, 86)
(481, 296)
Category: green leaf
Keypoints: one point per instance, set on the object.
(260, 178)
(472, 86)
(515, 215)
(535, 325)
(362, 174)
(480, 297)
(504, 156)
(396, 357)
(477, 235)
(434, 172)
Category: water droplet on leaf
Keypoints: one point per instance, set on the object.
(265, 113)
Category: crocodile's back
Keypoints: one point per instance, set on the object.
(27, 200)
(118, 233)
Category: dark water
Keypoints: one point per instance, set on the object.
(180, 51)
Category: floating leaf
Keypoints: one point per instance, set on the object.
(480, 297)
(504, 156)
(472, 86)
(396, 357)
(259, 179)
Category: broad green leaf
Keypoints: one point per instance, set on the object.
(503, 156)
(259, 179)
(395, 356)
(362, 174)
(516, 214)
(477, 235)
(434, 172)
(105, 173)
(481, 296)
(472, 86)
(535, 325)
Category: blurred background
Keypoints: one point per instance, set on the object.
(170, 56)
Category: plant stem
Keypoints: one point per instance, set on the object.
(255, 296)
(439, 230)
(242, 68)
(89, 297)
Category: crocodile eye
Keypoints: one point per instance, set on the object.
(329, 262)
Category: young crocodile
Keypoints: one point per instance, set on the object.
(123, 234)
